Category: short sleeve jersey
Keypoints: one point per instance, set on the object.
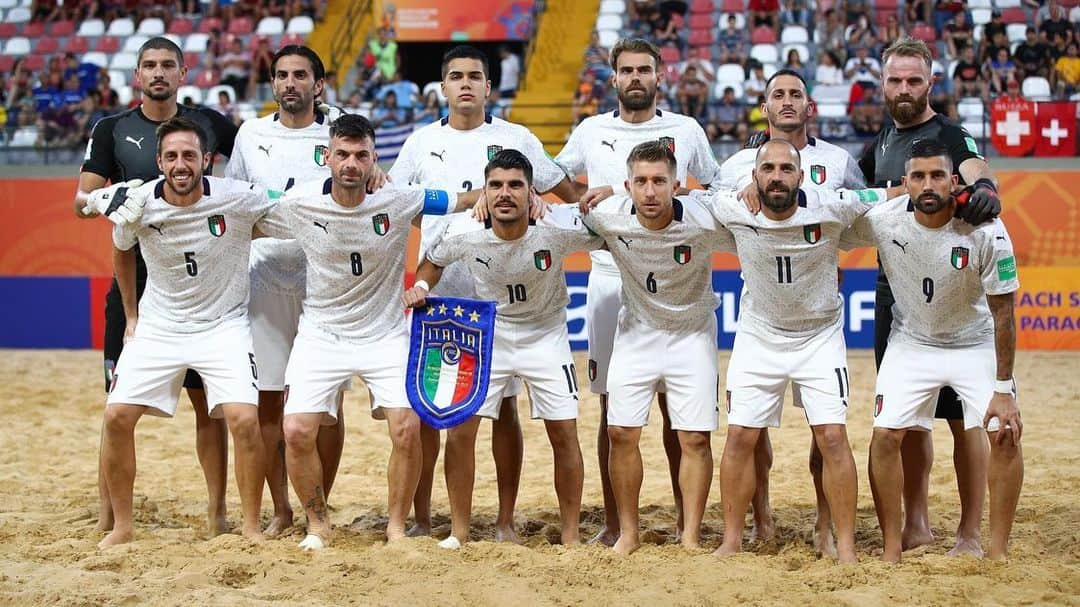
(525, 276)
(666, 273)
(940, 277)
(274, 156)
(355, 256)
(789, 266)
(196, 256)
(883, 164)
(824, 165)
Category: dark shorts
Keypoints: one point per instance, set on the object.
(948, 405)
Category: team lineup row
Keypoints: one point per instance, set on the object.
(339, 255)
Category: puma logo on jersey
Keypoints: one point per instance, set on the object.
(266, 149)
(155, 228)
(884, 145)
(439, 155)
(903, 247)
(999, 238)
(610, 145)
(322, 225)
(137, 142)
(485, 262)
(625, 241)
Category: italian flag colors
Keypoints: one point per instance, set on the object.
(448, 383)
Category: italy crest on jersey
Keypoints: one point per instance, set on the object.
(381, 222)
(669, 143)
(217, 225)
(879, 402)
(321, 151)
(492, 150)
(449, 359)
(542, 259)
(960, 257)
(817, 173)
(682, 254)
(812, 233)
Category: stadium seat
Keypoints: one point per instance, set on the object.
(196, 43)
(212, 93)
(60, 29)
(91, 28)
(977, 128)
(133, 43)
(6, 63)
(1014, 15)
(47, 46)
(832, 93)
(19, 14)
(121, 27)
(1035, 87)
(107, 44)
(34, 29)
(609, 22)
(980, 4)
(740, 21)
(1074, 14)
(209, 24)
(117, 78)
(1004, 4)
(240, 26)
(699, 21)
(270, 26)
(1016, 31)
(608, 38)
(612, 7)
(763, 35)
(701, 7)
(804, 52)
(25, 136)
(701, 38)
(206, 79)
(733, 6)
(181, 26)
(434, 86)
(7, 30)
(730, 72)
(980, 16)
(832, 110)
(34, 63)
(124, 95)
(882, 6)
(5, 4)
(670, 55)
(188, 90)
(718, 89)
(298, 39)
(98, 58)
(793, 34)
(925, 33)
(151, 26)
(192, 60)
(765, 53)
(17, 46)
(301, 24)
(768, 69)
(970, 108)
(123, 61)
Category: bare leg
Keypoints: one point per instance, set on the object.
(673, 450)
(764, 525)
(403, 471)
(695, 478)
(118, 463)
(105, 514)
(429, 445)
(626, 473)
(737, 481)
(841, 485)
(508, 449)
(609, 533)
(460, 469)
(917, 456)
(971, 453)
(212, 447)
(824, 542)
(271, 406)
(306, 473)
(569, 476)
(243, 422)
(330, 443)
(1006, 478)
(885, 484)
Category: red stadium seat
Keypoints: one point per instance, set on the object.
(701, 7)
(6, 62)
(210, 24)
(288, 39)
(34, 63)
(47, 46)
(35, 29)
(925, 33)
(77, 45)
(701, 21)
(1011, 15)
(192, 59)
(701, 37)
(763, 35)
(733, 6)
(670, 55)
(61, 29)
(886, 5)
(241, 26)
(107, 44)
(206, 79)
(181, 26)
(7, 30)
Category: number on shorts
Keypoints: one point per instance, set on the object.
(254, 368)
(842, 380)
(783, 269)
(517, 293)
(357, 263)
(466, 185)
(571, 377)
(928, 288)
(650, 283)
(192, 266)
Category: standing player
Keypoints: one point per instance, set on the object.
(666, 332)
(451, 154)
(518, 264)
(121, 148)
(787, 109)
(906, 86)
(790, 330)
(953, 326)
(352, 323)
(196, 233)
(598, 148)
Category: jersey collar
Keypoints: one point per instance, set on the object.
(319, 117)
(327, 185)
(615, 114)
(159, 189)
(446, 119)
(676, 206)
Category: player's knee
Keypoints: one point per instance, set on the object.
(695, 443)
(299, 434)
(622, 436)
(119, 420)
(1006, 451)
(832, 439)
(741, 439)
(405, 431)
(244, 424)
(887, 440)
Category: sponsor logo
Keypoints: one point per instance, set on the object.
(1006, 268)
(137, 142)
(609, 144)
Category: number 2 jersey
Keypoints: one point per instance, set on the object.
(196, 256)
(940, 277)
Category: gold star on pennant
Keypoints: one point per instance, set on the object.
(442, 308)
(474, 316)
(458, 311)
(430, 309)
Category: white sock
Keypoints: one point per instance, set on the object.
(312, 542)
(450, 543)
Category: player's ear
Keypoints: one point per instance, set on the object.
(801, 175)
(207, 157)
(626, 185)
(955, 181)
(675, 187)
(811, 109)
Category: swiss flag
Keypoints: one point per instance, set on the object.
(1012, 125)
(1055, 128)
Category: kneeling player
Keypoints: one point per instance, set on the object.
(520, 267)
(195, 235)
(952, 326)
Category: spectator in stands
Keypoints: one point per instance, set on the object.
(992, 29)
(639, 13)
(941, 98)
(109, 99)
(862, 67)
(406, 93)
(828, 69)
(430, 111)
(796, 12)
(732, 42)
(1043, 10)
(854, 9)
(87, 73)
(958, 34)
(944, 12)
(71, 95)
(867, 118)
(727, 119)
(586, 102)
(235, 67)
(999, 71)
(795, 64)
(764, 13)
(665, 31)
(861, 34)
(47, 94)
(330, 88)
(509, 73)
(385, 51)
(227, 108)
(387, 113)
(698, 59)
(596, 57)
(1057, 26)
(692, 94)
(262, 58)
(755, 116)
(94, 112)
(1032, 56)
(892, 31)
(755, 84)
(968, 80)
(917, 11)
(1067, 70)
(45, 10)
(830, 34)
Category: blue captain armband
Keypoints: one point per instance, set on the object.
(436, 202)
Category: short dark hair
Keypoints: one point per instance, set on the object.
(928, 148)
(784, 72)
(651, 151)
(352, 126)
(179, 124)
(317, 67)
(161, 43)
(464, 51)
(634, 45)
(510, 159)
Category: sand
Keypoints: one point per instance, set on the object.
(50, 412)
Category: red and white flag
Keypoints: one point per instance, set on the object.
(1055, 128)
(1012, 126)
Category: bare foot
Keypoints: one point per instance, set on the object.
(847, 556)
(626, 545)
(570, 537)
(217, 526)
(606, 537)
(824, 542)
(913, 538)
(507, 534)
(395, 533)
(418, 530)
(105, 521)
(116, 537)
(764, 529)
(278, 524)
(689, 544)
(887, 557)
(967, 546)
(726, 549)
(254, 536)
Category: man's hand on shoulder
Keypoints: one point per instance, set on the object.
(978, 202)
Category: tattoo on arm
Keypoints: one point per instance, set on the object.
(1001, 307)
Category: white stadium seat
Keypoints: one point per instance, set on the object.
(97, 58)
(91, 28)
(609, 22)
(612, 7)
(608, 38)
(977, 128)
(970, 107)
(301, 24)
(8, 3)
(19, 14)
(434, 86)
(189, 90)
(980, 16)
(832, 93)
(123, 61)
(1016, 31)
(768, 70)
(121, 27)
(151, 26)
(196, 43)
(792, 34)
(17, 46)
(730, 72)
(124, 95)
(765, 53)
(1007, 3)
(117, 78)
(979, 4)
(132, 44)
(270, 26)
(1035, 87)
(832, 110)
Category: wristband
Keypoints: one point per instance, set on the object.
(423, 285)
(985, 183)
(1005, 386)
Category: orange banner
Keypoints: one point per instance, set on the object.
(1048, 309)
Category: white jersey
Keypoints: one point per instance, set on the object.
(824, 165)
(940, 277)
(355, 256)
(524, 277)
(789, 266)
(274, 156)
(599, 146)
(666, 274)
(440, 156)
(196, 256)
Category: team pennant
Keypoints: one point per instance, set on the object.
(449, 359)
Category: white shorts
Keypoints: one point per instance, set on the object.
(540, 357)
(645, 358)
(603, 299)
(911, 376)
(151, 368)
(760, 369)
(321, 363)
(274, 320)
